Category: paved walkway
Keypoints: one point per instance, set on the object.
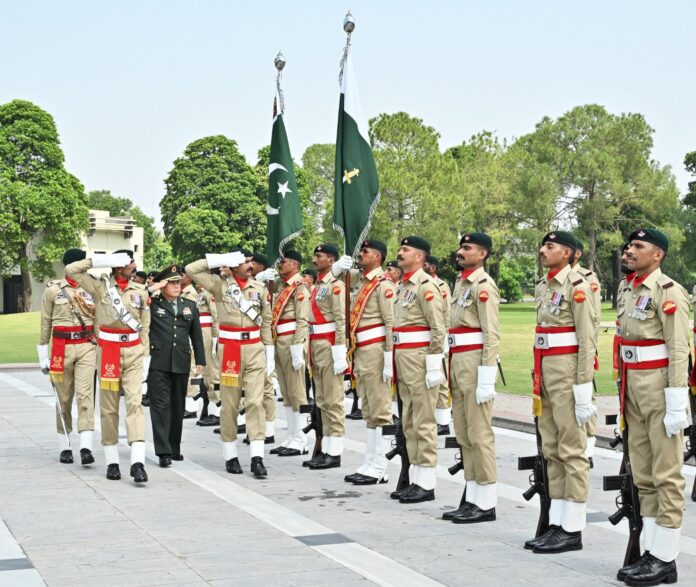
(194, 524)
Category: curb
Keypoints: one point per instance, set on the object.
(19, 366)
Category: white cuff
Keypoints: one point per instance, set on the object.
(582, 393)
(665, 544)
(137, 453)
(487, 375)
(434, 362)
(676, 398)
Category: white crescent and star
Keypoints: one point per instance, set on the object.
(273, 166)
(283, 189)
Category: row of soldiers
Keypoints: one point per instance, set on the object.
(417, 335)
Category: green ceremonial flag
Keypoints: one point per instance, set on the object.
(356, 185)
(283, 207)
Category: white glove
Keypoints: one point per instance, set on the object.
(113, 260)
(270, 359)
(485, 384)
(269, 274)
(146, 366)
(340, 359)
(214, 351)
(227, 259)
(297, 356)
(44, 359)
(388, 369)
(345, 263)
(434, 373)
(584, 409)
(676, 400)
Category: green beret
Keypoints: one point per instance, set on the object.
(432, 260)
(417, 242)
(560, 237)
(310, 272)
(624, 247)
(579, 246)
(72, 255)
(376, 245)
(476, 238)
(260, 259)
(170, 273)
(650, 235)
(394, 264)
(294, 255)
(328, 249)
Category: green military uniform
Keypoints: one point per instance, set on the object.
(67, 314)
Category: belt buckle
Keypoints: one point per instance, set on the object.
(123, 337)
(75, 336)
(395, 337)
(542, 341)
(629, 354)
(311, 328)
(246, 335)
(450, 340)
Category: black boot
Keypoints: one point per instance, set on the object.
(351, 478)
(66, 457)
(257, 467)
(86, 456)
(291, 452)
(559, 541)
(208, 421)
(474, 515)
(460, 510)
(628, 569)
(417, 494)
(326, 462)
(178, 457)
(276, 450)
(652, 571)
(138, 473)
(113, 472)
(355, 414)
(165, 461)
(188, 415)
(368, 480)
(233, 466)
(530, 544)
(313, 460)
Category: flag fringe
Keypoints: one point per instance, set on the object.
(284, 242)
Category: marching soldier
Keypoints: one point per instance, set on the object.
(123, 316)
(174, 329)
(564, 351)
(328, 355)
(246, 350)
(67, 314)
(473, 346)
(443, 410)
(419, 337)
(371, 321)
(653, 315)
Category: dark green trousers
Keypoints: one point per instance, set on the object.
(167, 398)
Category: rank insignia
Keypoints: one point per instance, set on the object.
(186, 311)
(483, 296)
(669, 307)
(579, 296)
(429, 296)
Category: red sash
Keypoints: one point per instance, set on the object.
(110, 367)
(281, 302)
(359, 307)
(232, 354)
(539, 354)
(616, 354)
(63, 335)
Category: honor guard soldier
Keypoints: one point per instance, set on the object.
(595, 285)
(564, 351)
(419, 338)
(123, 319)
(443, 411)
(653, 315)
(328, 355)
(67, 314)
(371, 322)
(393, 271)
(175, 328)
(246, 350)
(473, 347)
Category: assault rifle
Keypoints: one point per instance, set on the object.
(315, 424)
(398, 448)
(202, 394)
(451, 442)
(539, 481)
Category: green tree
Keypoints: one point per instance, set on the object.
(689, 219)
(44, 208)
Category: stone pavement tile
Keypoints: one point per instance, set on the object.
(21, 578)
(342, 577)
(141, 579)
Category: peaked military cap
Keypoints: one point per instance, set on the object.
(72, 255)
(560, 237)
(476, 238)
(417, 242)
(376, 245)
(294, 255)
(327, 248)
(650, 235)
(170, 273)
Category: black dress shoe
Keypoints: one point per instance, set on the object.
(233, 466)
(355, 415)
(443, 430)
(451, 513)
(652, 571)
(350, 478)
(138, 472)
(313, 460)
(291, 452)
(145, 401)
(474, 515)
(623, 572)
(559, 541)
(208, 421)
(368, 480)
(417, 494)
(216, 431)
(188, 415)
(178, 457)
(66, 457)
(165, 461)
(326, 462)
(269, 440)
(257, 467)
(399, 492)
(113, 472)
(86, 456)
(276, 450)
(530, 544)
(241, 429)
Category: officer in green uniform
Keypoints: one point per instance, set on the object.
(175, 321)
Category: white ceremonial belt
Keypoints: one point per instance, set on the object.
(465, 339)
(549, 340)
(247, 335)
(322, 328)
(286, 327)
(410, 337)
(640, 354)
(370, 333)
(206, 320)
(116, 337)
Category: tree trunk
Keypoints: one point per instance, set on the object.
(26, 281)
(616, 277)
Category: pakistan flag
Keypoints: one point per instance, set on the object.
(283, 208)
(356, 184)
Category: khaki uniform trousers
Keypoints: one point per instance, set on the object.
(443, 393)
(328, 391)
(374, 393)
(211, 371)
(292, 382)
(656, 461)
(131, 380)
(251, 374)
(269, 399)
(563, 441)
(418, 407)
(472, 422)
(78, 379)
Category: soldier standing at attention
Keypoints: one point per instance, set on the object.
(174, 329)
(564, 351)
(653, 316)
(474, 338)
(67, 314)
(246, 350)
(123, 317)
(393, 271)
(419, 337)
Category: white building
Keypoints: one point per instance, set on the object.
(106, 234)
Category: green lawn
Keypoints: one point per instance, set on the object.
(19, 335)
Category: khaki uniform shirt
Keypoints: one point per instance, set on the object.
(296, 308)
(665, 317)
(379, 308)
(228, 309)
(330, 297)
(417, 303)
(596, 287)
(206, 303)
(446, 292)
(576, 309)
(59, 304)
(135, 299)
(475, 304)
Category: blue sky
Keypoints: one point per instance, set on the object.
(131, 83)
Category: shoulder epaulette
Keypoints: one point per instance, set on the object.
(483, 280)
(426, 280)
(540, 280)
(578, 282)
(667, 285)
